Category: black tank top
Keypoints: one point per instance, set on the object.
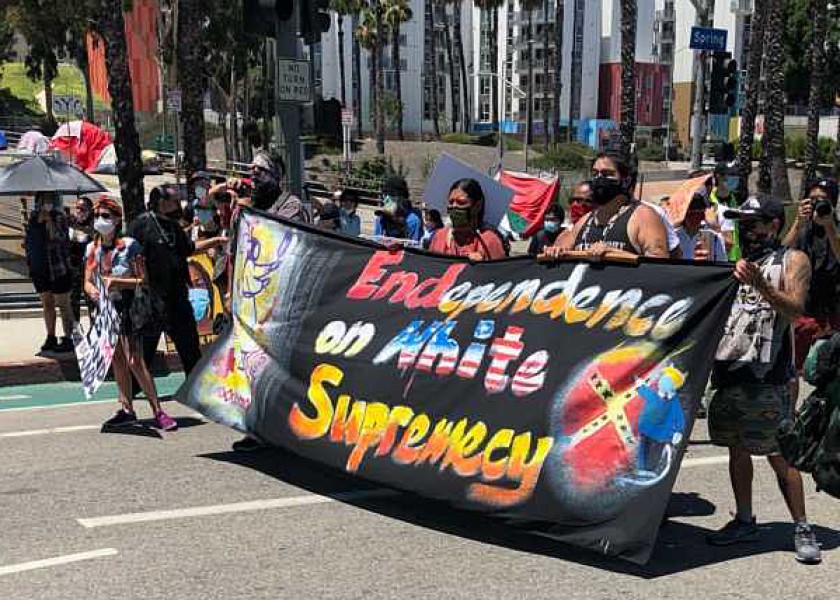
(613, 233)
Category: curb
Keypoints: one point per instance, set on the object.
(38, 369)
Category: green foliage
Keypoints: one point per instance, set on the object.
(69, 82)
(377, 169)
(797, 40)
(795, 149)
(795, 146)
(826, 150)
(565, 157)
(651, 153)
(486, 140)
(458, 138)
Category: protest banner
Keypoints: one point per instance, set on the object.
(205, 299)
(561, 393)
(95, 349)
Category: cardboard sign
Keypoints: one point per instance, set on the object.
(95, 349)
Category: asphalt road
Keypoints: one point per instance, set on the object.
(139, 514)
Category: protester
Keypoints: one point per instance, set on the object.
(752, 370)
(166, 249)
(469, 236)
(432, 221)
(698, 241)
(618, 222)
(47, 243)
(815, 232)
(397, 218)
(552, 227)
(206, 221)
(351, 223)
(721, 198)
(81, 234)
(329, 218)
(117, 262)
(580, 203)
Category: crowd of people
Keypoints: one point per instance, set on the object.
(789, 293)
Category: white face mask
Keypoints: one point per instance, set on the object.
(200, 193)
(104, 227)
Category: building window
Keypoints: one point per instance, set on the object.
(484, 111)
(484, 86)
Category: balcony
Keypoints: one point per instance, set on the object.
(742, 7)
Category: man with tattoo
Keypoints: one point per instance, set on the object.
(753, 366)
(618, 222)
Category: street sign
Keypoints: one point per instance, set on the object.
(707, 38)
(66, 105)
(173, 101)
(294, 84)
(347, 117)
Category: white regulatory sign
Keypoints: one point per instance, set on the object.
(294, 81)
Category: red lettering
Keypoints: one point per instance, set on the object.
(365, 285)
(441, 286)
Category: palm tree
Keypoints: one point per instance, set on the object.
(773, 177)
(357, 72)
(432, 37)
(627, 128)
(462, 64)
(752, 91)
(453, 97)
(343, 8)
(192, 79)
(397, 12)
(111, 27)
(576, 76)
(547, 72)
(559, 18)
(818, 34)
(369, 33)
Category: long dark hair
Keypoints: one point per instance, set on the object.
(474, 192)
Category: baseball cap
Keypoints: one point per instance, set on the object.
(829, 186)
(757, 207)
(201, 175)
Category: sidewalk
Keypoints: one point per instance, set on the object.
(20, 364)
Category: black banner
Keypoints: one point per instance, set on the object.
(562, 393)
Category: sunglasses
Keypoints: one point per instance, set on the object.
(611, 173)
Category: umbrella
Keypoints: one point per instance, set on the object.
(46, 174)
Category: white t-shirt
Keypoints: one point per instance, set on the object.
(673, 238)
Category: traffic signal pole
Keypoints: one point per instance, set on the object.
(698, 118)
(287, 125)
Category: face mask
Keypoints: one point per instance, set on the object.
(104, 227)
(606, 189)
(388, 204)
(200, 300)
(578, 210)
(756, 245)
(266, 191)
(205, 215)
(461, 217)
(184, 205)
(200, 193)
(551, 226)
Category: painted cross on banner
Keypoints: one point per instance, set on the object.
(95, 349)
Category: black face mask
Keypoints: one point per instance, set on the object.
(175, 214)
(461, 217)
(606, 189)
(266, 191)
(756, 246)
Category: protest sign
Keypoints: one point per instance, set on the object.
(95, 349)
(562, 394)
(448, 170)
(205, 299)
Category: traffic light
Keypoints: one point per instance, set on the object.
(717, 84)
(260, 16)
(730, 82)
(314, 20)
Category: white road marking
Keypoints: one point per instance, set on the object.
(712, 460)
(58, 560)
(236, 507)
(49, 406)
(31, 432)
(15, 397)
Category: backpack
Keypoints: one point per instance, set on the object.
(800, 438)
(826, 471)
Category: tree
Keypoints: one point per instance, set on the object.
(6, 39)
(397, 12)
(627, 128)
(110, 26)
(369, 33)
(559, 18)
(773, 177)
(432, 38)
(462, 65)
(453, 97)
(342, 9)
(817, 51)
(752, 92)
(191, 53)
(800, 29)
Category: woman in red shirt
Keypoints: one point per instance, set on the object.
(468, 236)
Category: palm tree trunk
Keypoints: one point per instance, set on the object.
(752, 91)
(341, 69)
(395, 59)
(837, 152)
(559, 18)
(48, 93)
(193, 83)
(529, 117)
(465, 81)
(627, 128)
(357, 78)
(430, 15)
(453, 97)
(126, 140)
(234, 121)
(546, 75)
(776, 104)
(818, 33)
(380, 80)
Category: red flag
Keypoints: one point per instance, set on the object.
(532, 197)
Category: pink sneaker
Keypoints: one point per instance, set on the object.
(165, 422)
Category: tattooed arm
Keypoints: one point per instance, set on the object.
(789, 302)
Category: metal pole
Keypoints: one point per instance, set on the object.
(288, 132)
(698, 118)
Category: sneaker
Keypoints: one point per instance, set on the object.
(122, 418)
(65, 346)
(734, 532)
(807, 547)
(50, 345)
(247, 444)
(165, 422)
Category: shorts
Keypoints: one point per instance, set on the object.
(807, 330)
(44, 283)
(748, 416)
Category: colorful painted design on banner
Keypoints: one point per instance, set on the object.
(558, 393)
(206, 301)
(95, 349)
